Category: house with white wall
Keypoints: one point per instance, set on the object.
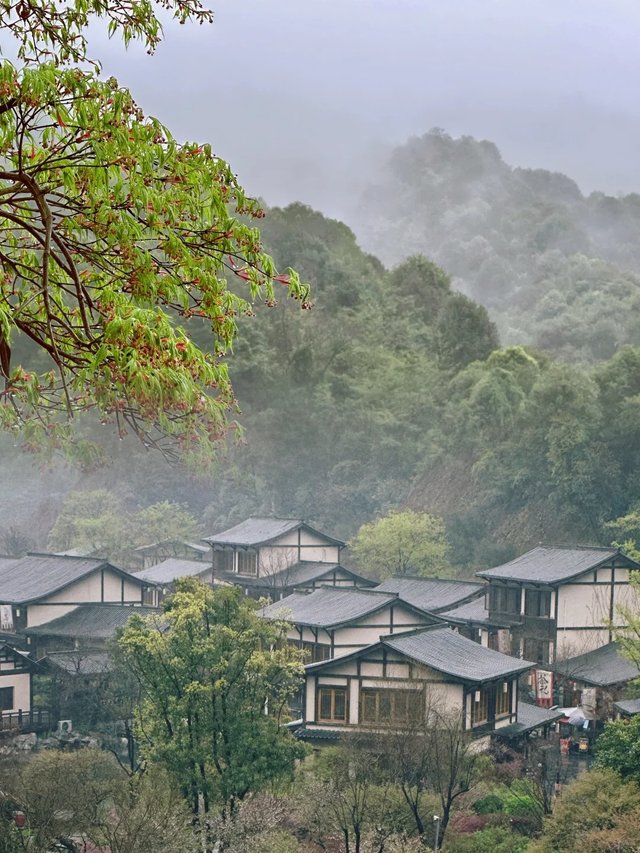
(41, 587)
(264, 546)
(16, 692)
(561, 601)
(403, 678)
(330, 622)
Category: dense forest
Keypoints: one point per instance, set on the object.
(514, 420)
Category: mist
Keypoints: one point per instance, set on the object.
(306, 99)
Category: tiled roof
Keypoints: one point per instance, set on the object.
(629, 707)
(546, 564)
(327, 735)
(171, 569)
(258, 531)
(448, 652)
(307, 571)
(304, 572)
(606, 665)
(530, 717)
(432, 594)
(471, 611)
(91, 621)
(78, 663)
(328, 607)
(37, 575)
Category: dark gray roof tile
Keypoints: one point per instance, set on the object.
(37, 575)
(628, 707)
(530, 717)
(78, 663)
(259, 531)
(171, 569)
(328, 606)
(91, 621)
(448, 652)
(434, 594)
(547, 564)
(606, 665)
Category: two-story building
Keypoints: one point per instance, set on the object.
(16, 692)
(274, 556)
(560, 601)
(401, 679)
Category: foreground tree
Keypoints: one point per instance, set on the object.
(112, 237)
(215, 681)
(401, 543)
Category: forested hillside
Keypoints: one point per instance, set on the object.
(556, 269)
(394, 391)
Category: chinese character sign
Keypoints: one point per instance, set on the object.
(544, 688)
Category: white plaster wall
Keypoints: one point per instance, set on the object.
(38, 614)
(574, 642)
(582, 605)
(21, 691)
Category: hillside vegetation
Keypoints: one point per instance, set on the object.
(557, 269)
(397, 391)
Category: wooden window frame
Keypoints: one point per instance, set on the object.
(325, 688)
(317, 651)
(481, 706)
(10, 693)
(396, 698)
(243, 558)
(503, 699)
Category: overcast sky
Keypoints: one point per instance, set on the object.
(301, 95)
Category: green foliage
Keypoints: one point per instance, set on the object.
(598, 812)
(493, 839)
(618, 748)
(401, 543)
(216, 680)
(113, 237)
(557, 270)
(98, 523)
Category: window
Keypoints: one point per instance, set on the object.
(332, 704)
(379, 707)
(6, 698)
(505, 599)
(503, 699)
(537, 603)
(223, 561)
(247, 563)
(316, 651)
(479, 706)
(536, 650)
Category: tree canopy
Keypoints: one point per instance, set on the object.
(112, 237)
(215, 681)
(401, 543)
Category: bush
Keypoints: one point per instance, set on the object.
(491, 804)
(493, 839)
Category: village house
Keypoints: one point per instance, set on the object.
(41, 587)
(16, 692)
(330, 622)
(461, 604)
(401, 679)
(274, 556)
(594, 681)
(86, 628)
(560, 601)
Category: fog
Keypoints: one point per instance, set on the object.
(303, 98)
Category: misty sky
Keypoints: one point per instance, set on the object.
(302, 96)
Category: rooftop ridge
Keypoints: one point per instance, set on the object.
(84, 557)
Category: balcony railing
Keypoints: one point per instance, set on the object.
(35, 720)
